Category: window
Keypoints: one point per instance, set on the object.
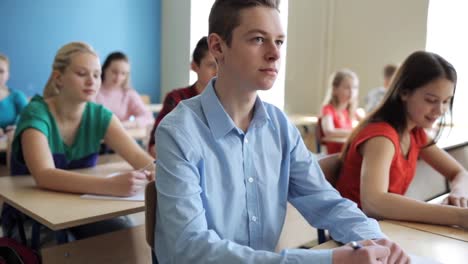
(200, 11)
(446, 22)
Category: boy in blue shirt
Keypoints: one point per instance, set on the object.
(228, 163)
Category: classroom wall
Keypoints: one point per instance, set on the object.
(33, 31)
(325, 35)
(175, 45)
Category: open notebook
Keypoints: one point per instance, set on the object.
(140, 196)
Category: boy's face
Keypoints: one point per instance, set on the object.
(253, 59)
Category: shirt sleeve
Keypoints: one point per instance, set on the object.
(182, 232)
(327, 110)
(20, 101)
(168, 105)
(137, 108)
(320, 204)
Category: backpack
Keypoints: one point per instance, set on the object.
(12, 252)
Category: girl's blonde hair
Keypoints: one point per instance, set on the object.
(335, 80)
(61, 61)
(5, 59)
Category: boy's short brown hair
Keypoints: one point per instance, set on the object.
(225, 15)
(389, 70)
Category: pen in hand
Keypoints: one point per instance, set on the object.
(355, 245)
(145, 170)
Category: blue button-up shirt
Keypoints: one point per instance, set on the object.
(222, 193)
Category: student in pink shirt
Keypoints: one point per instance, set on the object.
(117, 95)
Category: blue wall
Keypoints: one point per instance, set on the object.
(32, 31)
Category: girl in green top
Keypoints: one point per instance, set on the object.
(63, 129)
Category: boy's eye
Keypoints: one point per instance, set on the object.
(259, 39)
(279, 43)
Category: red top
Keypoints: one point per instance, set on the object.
(341, 119)
(402, 170)
(170, 102)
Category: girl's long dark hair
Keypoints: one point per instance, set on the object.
(419, 69)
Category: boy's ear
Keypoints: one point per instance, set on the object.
(216, 45)
(193, 66)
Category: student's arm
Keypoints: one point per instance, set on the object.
(169, 104)
(377, 202)
(321, 205)
(330, 130)
(39, 160)
(446, 165)
(137, 108)
(182, 230)
(121, 142)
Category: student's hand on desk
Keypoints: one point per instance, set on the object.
(397, 255)
(127, 183)
(458, 199)
(149, 174)
(371, 252)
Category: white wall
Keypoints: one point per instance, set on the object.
(175, 46)
(323, 35)
(326, 35)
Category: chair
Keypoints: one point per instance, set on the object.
(330, 165)
(150, 216)
(319, 136)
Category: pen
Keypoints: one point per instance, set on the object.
(355, 245)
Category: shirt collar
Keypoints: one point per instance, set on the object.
(219, 121)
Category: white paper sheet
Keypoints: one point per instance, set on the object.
(415, 259)
(140, 196)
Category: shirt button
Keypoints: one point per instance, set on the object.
(246, 141)
(250, 180)
(254, 218)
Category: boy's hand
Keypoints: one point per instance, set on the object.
(371, 252)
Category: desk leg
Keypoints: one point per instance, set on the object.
(153, 256)
(61, 236)
(22, 234)
(35, 235)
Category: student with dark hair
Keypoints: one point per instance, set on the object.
(375, 96)
(204, 65)
(379, 160)
(117, 94)
(228, 162)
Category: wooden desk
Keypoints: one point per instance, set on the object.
(440, 248)
(341, 140)
(123, 246)
(137, 133)
(155, 108)
(58, 210)
(447, 231)
(303, 120)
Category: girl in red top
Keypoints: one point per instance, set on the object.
(339, 108)
(380, 155)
